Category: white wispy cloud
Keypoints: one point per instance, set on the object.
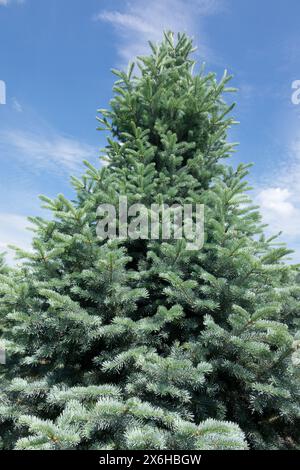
(47, 150)
(141, 21)
(279, 210)
(35, 149)
(280, 200)
(17, 105)
(13, 231)
(5, 3)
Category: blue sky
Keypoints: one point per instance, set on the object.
(56, 56)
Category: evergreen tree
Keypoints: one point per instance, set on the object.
(143, 344)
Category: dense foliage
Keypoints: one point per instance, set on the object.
(143, 344)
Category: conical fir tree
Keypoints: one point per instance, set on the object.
(144, 344)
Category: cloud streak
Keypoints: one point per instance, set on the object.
(142, 21)
(5, 3)
(47, 150)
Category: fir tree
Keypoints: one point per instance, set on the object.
(143, 344)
